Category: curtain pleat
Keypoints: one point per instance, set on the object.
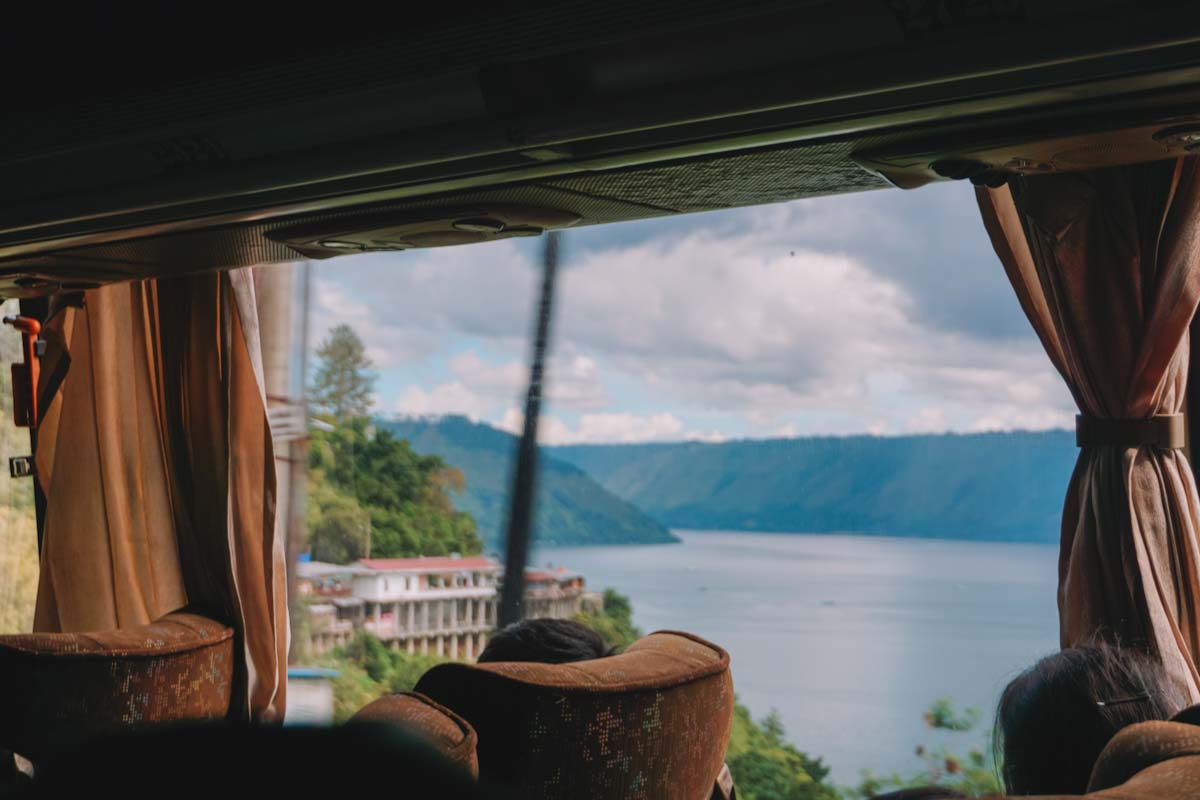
(157, 462)
(1106, 266)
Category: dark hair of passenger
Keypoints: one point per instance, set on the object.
(1055, 718)
(920, 793)
(546, 641)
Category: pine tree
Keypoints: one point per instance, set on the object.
(344, 381)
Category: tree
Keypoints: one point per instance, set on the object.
(359, 473)
(339, 529)
(344, 380)
(614, 622)
(765, 766)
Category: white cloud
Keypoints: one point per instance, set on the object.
(620, 427)
(445, 398)
(479, 386)
(736, 322)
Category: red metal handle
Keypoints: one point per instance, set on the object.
(25, 375)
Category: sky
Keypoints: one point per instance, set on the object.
(884, 312)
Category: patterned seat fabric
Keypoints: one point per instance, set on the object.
(449, 732)
(1149, 760)
(650, 723)
(56, 688)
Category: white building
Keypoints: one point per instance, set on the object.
(445, 606)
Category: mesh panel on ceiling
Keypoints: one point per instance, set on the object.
(728, 181)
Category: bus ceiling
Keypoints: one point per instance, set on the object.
(165, 157)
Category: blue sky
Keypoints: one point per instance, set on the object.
(885, 312)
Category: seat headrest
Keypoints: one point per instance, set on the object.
(447, 731)
(651, 722)
(58, 688)
(173, 633)
(1135, 751)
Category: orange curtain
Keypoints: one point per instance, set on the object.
(1106, 265)
(157, 462)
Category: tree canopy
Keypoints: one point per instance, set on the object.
(614, 621)
(370, 494)
(343, 384)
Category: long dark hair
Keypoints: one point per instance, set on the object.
(1055, 718)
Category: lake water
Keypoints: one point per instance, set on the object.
(850, 638)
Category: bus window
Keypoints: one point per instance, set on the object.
(18, 528)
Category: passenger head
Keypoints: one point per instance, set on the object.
(548, 641)
(1056, 717)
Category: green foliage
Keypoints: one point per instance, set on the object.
(352, 689)
(571, 507)
(368, 669)
(369, 492)
(343, 381)
(765, 766)
(974, 774)
(1003, 486)
(614, 621)
(943, 716)
(339, 529)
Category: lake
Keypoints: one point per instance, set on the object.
(850, 638)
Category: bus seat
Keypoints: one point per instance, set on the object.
(218, 760)
(57, 688)
(651, 722)
(1149, 759)
(452, 735)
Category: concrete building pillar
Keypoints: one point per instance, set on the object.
(425, 615)
(441, 645)
(412, 616)
(454, 647)
(424, 645)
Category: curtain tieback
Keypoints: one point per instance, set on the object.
(1165, 431)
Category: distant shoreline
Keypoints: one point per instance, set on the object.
(849, 534)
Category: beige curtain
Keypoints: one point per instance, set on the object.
(157, 462)
(1106, 265)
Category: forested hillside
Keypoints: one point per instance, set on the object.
(572, 507)
(1002, 486)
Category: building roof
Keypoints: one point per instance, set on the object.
(429, 564)
(547, 575)
(322, 569)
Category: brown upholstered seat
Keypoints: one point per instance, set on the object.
(449, 732)
(1149, 760)
(58, 687)
(652, 722)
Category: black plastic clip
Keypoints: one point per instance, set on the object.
(21, 467)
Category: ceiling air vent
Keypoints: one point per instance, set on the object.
(988, 157)
(429, 227)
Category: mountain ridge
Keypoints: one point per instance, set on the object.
(572, 508)
(993, 486)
